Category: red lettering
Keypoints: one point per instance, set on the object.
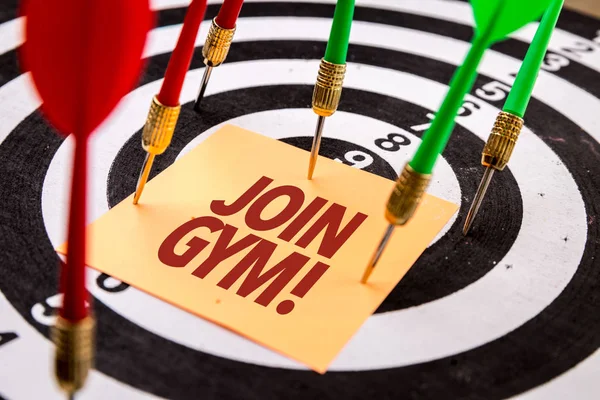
(310, 279)
(219, 207)
(296, 199)
(301, 220)
(254, 263)
(333, 239)
(300, 290)
(256, 260)
(166, 251)
(223, 250)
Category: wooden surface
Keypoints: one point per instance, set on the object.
(590, 7)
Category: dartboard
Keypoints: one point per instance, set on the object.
(511, 310)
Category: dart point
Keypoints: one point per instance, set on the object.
(215, 50)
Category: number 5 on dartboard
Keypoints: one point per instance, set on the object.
(493, 91)
(467, 108)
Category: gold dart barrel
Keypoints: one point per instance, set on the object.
(159, 128)
(156, 138)
(328, 89)
(402, 204)
(217, 44)
(495, 156)
(502, 141)
(74, 352)
(215, 50)
(409, 189)
(325, 101)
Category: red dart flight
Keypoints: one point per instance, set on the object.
(83, 56)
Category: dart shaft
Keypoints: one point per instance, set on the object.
(330, 78)
(73, 274)
(180, 60)
(228, 13)
(339, 37)
(437, 136)
(520, 94)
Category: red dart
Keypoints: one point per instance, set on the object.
(84, 56)
(228, 13)
(182, 55)
(218, 41)
(164, 108)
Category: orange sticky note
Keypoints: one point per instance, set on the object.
(234, 232)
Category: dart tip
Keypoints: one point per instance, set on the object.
(378, 252)
(467, 225)
(481, 190)
(316, 144)
(203, 85)
(143, 178)
(138, 192)
(311, 167)
(136, 198)
(71, 396)
(367, 274)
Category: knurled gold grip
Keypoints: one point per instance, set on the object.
(328, 89)
(74, 352)
(502, 140)
(159, 127)
(217, 44)
(406, 195)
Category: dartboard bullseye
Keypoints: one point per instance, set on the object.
(509, 311)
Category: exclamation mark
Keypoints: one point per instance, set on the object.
(309, 280)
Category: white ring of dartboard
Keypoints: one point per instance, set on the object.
(511, 303)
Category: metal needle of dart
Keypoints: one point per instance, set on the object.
(494, 20)
(330, 78)
(488, 174)
(501, 142)
(218, 41)
(164, 109)
(72, 59)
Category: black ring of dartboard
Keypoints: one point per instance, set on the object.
(423, 282)
(469, 374)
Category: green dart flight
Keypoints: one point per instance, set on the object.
(328, 89)
(494, 20)
(506, 130)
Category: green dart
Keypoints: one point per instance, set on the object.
(328, 89)
(508, 124)
(494, 20)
